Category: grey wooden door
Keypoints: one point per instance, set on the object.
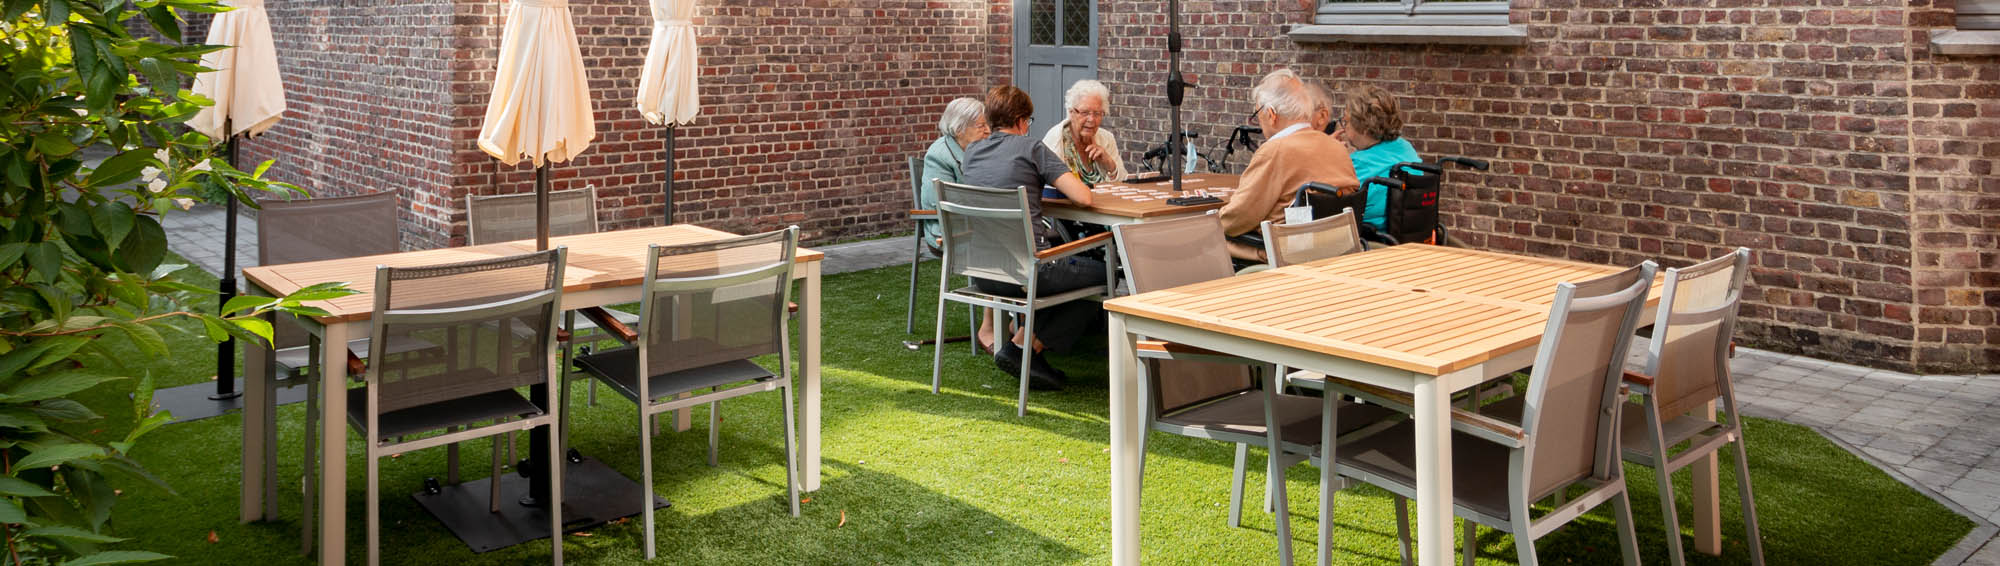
(1056, 47)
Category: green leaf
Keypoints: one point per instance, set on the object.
(10, 253)
(52, 143)
(56, 12)
(53, 454)
(15, 8)
(17, 487)
(245, 302)
(21, 420)
(60, 350)
(218, 329)
(10, 512)
(74, 219)
(70, 533)
(257, 326)
(160, 75)
(117, 557)
(156, 420)
(52, 385)
(321, 291)
(64, 410)
(164, 22)
(144, 246)
(121, 168)
(46, 258)
(150, 343)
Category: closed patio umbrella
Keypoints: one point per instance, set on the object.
(667, 83)
(540, 109)
(249, 98)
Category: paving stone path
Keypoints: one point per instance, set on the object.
(1938, 433)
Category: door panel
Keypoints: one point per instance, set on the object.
(1056, 47)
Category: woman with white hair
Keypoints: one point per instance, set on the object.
(1088, 149)
(964, 122)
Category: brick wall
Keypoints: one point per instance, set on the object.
(1825, 137)
(808, 109)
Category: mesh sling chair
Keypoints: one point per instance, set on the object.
(708, 308)
(1687, 369)
(917, 247)
(989, 234)
(458, 306)
(1567, 433)
(1332, 236)
(1203, 394)
(502, 218)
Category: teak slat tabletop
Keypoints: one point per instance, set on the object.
(1150, 199)
(596, 261)
(1416, 307)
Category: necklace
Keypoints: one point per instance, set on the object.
(1085, 170)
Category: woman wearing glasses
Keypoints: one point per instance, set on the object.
(1088, 149)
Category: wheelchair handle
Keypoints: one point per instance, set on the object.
(1466, 162)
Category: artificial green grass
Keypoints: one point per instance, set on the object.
(915, 478)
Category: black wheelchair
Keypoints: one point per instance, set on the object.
(1411, 214)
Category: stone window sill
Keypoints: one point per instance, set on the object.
(1425, 34)
(1962, 42)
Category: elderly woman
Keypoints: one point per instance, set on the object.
(1089, 150)
(1370, 125)
(964, 122)
(1008, 158)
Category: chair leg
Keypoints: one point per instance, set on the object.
(1669, 516)
(1329, 441)
(1403, 530)
(791, 462)
(1236, 485)
(493, 485)
(1753, 537)
(937, 348)
(558, 466)
(1470, 546)
(1274, 474)
(714, 430)
(646, 472)
(1524, 545)
(309, 462)
(374, 506)
(916, 254)
(972, 327)
(1628, 535)
(1027, 353)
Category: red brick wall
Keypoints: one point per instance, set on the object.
(1854, 163)
(809, 109)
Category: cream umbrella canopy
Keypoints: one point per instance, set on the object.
(540, 109)
(667, 82)
(249, 98)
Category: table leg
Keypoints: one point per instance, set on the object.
(257, 423)
(1434, 498)
(1707, 499)
(333, 447)
(809, 390)
(1127, 429)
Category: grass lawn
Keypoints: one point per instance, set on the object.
(916, 478)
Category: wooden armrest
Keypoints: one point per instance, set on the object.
(791, 307)
(1094, 240)
(917, 213)
(1638, 379)
(355, 367)
(562, 334)
(1465, 421)
(610, 324)
(1165, 347)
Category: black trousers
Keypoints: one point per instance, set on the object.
(1059, 326)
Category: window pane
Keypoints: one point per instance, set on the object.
(1042, 22)
(1076, 22)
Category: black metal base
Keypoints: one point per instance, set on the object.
(197, 401)
(918, 344)
(593, 494)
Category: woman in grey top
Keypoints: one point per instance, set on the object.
(1008, 158)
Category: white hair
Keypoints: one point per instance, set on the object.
(959, 115)
(1085, 88)
(1285, 94)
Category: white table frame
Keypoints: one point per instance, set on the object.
(259, 425)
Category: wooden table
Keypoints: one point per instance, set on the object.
(1416, 318)
(1120, 203)
(604, 269)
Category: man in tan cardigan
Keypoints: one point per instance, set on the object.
(1293, 155)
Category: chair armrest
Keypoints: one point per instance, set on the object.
(610, 324)
(791, 307)
(923, 214)
(1069, 249)
(355, 367)
(562, 335)
(1639, 379)
(1482, 426)
(1160, 349)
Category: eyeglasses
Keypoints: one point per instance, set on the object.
(1254, 113)
(1088, 113)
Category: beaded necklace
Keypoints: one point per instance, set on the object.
(1085, 169)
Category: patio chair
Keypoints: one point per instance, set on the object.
(989, 234)
(1203, 394)
(1687, 369)
(1567, 434)
(917, 219)
(409, 396)
(708, 308)
(1331, 236)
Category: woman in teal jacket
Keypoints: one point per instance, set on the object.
(964, 122)
(1370, 125)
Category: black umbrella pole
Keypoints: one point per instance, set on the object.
(667, 191)
(225, 352)
(1175, 89)
(538, 437)
(542, 207)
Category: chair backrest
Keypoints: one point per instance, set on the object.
(1170, 253)
(1688, 356)
(1572, 401)
(916, 182)
(293, 231)
(1411, 213)
(456, 307)
(988, 232)
(1332, 236)
(502, 218)
(1327, 200)
(713, 302)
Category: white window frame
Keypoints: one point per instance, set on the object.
(1413, 21)
(1978, 30)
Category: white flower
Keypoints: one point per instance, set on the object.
(156, 185)
(185, 203)
(203, 166)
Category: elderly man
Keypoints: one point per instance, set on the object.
(1293, 155)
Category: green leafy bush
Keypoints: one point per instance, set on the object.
(81, 248)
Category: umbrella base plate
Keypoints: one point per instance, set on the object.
(593, 494)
